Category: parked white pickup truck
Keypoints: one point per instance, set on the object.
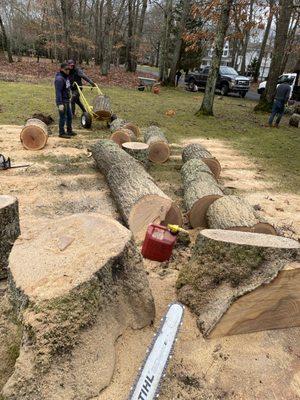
(291, 79)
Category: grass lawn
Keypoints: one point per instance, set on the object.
(277, 150)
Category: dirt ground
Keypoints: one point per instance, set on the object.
(62, 180)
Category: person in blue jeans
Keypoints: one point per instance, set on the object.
(63, 95)
(282, 96)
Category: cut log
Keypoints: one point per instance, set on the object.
(107, 154)
(195, 150)
(139, 151)
(225, 265)
(123, 135)
(295, 120)
(34, 135)
(140, 201)
(199, 193)
(159, 150)
(102, 107)
(235, 213)
(9, 229)
(74, 305)
(192, 169)
(119, 123)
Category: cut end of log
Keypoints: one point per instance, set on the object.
(6, 200)
(250, 239)
(122, 136)
(197, 215)
(34, 135)
(264, 227)
(152, 209)
(135, 146)
(103, 115)
(134, 128)
(214, 166)
(159, 152)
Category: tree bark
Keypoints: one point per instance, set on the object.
(295, 120)
(65, 10)
(282, 26)
(139, 151)
(221, 29)
(9, 229)
(235, 213)
(165, 42)
(107, 39)
(159, 150)
(102, 107)
(196, 151)
(119, 123)
(6, 41)
(246, 40)
(210, 287)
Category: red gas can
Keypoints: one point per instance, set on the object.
(158, 243)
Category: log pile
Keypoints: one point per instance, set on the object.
(34, 135)
(159, 150)
(77, 310)
(199, 152)
(9, 229)
(226, 265)
(139, 200)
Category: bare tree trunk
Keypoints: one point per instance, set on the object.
(65, 10)
(178, 42)
(246, 41)
(164, 45)
(290, 41)
(265, 39)
(285, 12)
(129, 47)
(107, 39)
(221, 29)
(6, 42)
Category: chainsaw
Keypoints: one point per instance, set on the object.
(5, 163)
(152, 372)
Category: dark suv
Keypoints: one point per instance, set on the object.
(229, 81)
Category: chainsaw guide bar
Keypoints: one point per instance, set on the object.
(152, 371)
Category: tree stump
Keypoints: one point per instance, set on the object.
(119, 123)
(139, 151)
(159, 150)
(108, 154)
(226, 265)
(34, 135)
(197, 151)
(123, 135)
(200, 191)
(9, 229)
(102, 107)
(235, 213)
(78, 284)
(140, 201)
(295, 120)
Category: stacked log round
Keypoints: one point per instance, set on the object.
(224, 266)
(195, 150)
(9, 229)
(159, 150)
(235, 213)
(139, 200)
(200, 191)
(138, 150)
(102, 107)
(123, 135)
(34, 135)
(119, 123)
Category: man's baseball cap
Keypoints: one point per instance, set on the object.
(64, 66)
(71, 62)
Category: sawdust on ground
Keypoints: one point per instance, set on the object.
(264, 365)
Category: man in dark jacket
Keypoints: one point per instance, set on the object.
(76, 76)
(62, 93)
(282, 96)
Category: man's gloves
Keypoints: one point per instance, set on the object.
(61, 107)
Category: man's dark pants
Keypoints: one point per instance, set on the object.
(277, 109)
(65, 117)
(76, 100)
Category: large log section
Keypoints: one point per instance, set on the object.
(138, 150)
(159, 150)
(123, 135)
(139, 200)
(200, 191)
(78, 284)
(102, 107)
(34, 135)
(119, 123)
(235, 213)
(195, 150)
(225, 265)
(9, 229)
